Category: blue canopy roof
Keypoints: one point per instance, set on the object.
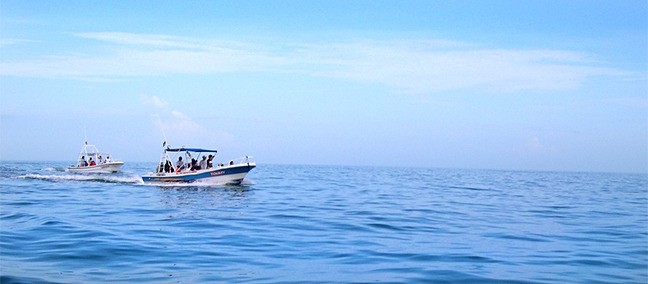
(189, 149)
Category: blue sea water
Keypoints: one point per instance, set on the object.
(323, 224)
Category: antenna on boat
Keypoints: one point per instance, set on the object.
(85, 135)
(162, 129)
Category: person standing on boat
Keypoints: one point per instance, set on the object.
(179, 165)
(194, 165)
(210, 162)
(107, 159)
(168, 167)
(92, 163)
(203, 163)
(83, 162)
(100, 160)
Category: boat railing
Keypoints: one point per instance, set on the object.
(243, 160)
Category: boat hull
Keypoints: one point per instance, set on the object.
(106, 168)
(220, 175)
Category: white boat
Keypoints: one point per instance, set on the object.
(92, 161)
(232, 172)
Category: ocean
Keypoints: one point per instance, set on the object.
(323, 224)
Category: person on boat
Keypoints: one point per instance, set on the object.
(203, 163)
(100, 160)
(107, 159)
(231, 163)
(92, 163)
(179, 165)
(210, 163)
(168, 167)
(160, 169)
(83, 162)
(194, 165)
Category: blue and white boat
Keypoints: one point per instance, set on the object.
(198, 166)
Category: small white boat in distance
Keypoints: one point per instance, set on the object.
(198, 166)
(92, 161)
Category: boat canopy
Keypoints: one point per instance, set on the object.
(189, 150)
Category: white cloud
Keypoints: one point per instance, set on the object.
(413, 66)
(142, 39)
(182, 123)
(4, 42)
(180, 128)
(154, 102)
(534, 145)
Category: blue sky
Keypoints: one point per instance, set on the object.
(523, 85)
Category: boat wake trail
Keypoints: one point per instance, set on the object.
(91, 178)
(122, 179)
(53, 169)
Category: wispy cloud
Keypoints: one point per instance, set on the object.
(178, 125)
(412, 66)
(154, 102)
(142, 39)
(4, 42)
(419, 67)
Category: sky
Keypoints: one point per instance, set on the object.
(513, 85)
